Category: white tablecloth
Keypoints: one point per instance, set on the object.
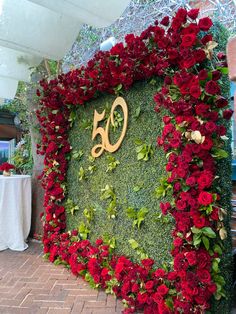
(15, 211)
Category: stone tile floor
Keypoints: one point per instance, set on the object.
(30, 285)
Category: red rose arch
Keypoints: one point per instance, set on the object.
(179, 51)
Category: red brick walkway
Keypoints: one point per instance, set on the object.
(29, 285)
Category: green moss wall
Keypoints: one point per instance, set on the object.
(133, 181)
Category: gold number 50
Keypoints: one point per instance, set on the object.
(98, 149)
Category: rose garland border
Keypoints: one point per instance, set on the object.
(193, 139)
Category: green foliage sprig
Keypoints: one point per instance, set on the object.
(138, 216)
(70, 206)
(144, 151)
(108, 193)
(135, 246)
(83, 230)
(112, 163)
(89, 213)
(82, 174)
(77, 154)
(163, 189)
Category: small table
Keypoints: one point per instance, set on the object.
(15, 211)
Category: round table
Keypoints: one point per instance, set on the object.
(15, 211)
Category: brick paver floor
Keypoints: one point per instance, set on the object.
(30, 285)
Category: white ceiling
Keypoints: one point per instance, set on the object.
(31, 30)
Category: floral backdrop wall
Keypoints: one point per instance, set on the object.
(180, 52)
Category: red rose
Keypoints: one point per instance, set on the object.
(195, 91)
(99, 242)
(188, 62)
(212, 88)
(181, 15)
(210, 126)
(221, 102)
(205, 198)
(6, 166)
(205, 23)
(203, 259)
(227, 114)
(165, 207)
(212, 288)
(215, 214)
(172, 275)
(206, 39)
(204, 276)
(165, 21)
(178, 242)
(162, 290)
(149, 285)
(207, 144)
(202, 75)
(199, 221)
(221, 130)
(147, 262)
(191, 181)
(166, 119)
(188, 40)
(193, 14)
(175, 143)
(181, 205)
(159, 273)
(221, 55)
(199, 55)
(216, 75)
(191, 258)
(142, 298)
(135, 288)
(205, 180)
(202, 109)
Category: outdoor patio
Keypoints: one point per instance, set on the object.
(30, 285)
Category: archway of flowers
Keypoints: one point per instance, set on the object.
(181, 52)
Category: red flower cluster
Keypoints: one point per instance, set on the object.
(192, 137)
(6, 166)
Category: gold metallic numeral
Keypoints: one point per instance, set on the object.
(98, 149)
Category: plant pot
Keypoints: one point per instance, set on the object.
(6, 173)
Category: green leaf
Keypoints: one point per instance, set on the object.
(209, 232)
(77, 154)
(197, 239)
(140, 156)
(215, 265)
(107, 193)
(217, 249)
(137, 112)
(219, 153)
(196, 230)
(206, 242)
(134, 244)
(139, 148)
(131, 212)
(137, 188)
(223, 70)
(169, 302)
(138, 142)
(82, 174)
